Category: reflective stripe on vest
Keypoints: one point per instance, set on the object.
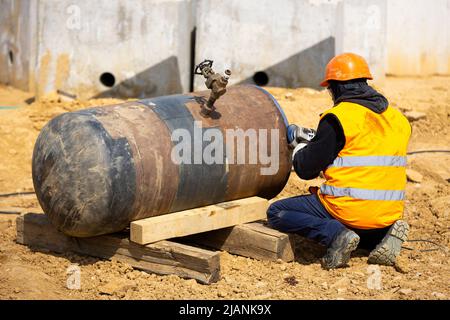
(364, 194)
(369, 161)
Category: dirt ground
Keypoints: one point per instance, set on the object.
(28, 274)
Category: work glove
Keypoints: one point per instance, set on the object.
(298, 135)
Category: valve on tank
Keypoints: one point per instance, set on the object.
(216, 82)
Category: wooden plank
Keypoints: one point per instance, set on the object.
(164, 257)
(198, 220)
(253, 240)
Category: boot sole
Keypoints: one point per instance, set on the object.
(352, 245)
(388, 249)
(344, 257)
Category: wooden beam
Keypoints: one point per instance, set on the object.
(253, 240)
(198, 220)
(164, 257)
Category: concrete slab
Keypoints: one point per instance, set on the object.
(361, 29)
(278, 43)
(17, 29)
(141, 46)
(137, 48)
(418, 37)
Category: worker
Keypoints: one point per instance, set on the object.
(360, 146)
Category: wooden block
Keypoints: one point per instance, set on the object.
(198, 220)
(253, 240)
(164, 257)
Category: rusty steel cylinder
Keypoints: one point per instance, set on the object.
(96, 170)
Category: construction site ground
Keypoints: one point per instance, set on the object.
(29, 274)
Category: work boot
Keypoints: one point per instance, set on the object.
(388, 249)
(338, 254)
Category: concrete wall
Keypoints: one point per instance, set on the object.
(66, 45)
(290, 41)
(17, 31)
(361, 28)
(418, 37)
(144, 44)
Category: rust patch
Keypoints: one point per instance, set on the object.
(149, 139)
(247, 107)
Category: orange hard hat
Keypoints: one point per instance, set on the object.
(346, 66)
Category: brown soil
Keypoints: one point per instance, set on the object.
(28, 274)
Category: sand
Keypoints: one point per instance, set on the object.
(28, 274)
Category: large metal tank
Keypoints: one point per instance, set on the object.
(96, 170)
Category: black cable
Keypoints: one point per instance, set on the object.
(422, 250)
(15, 194)
(428, 151)
(2, 211)
(440, 247)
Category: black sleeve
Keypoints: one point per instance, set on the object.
(322, 150)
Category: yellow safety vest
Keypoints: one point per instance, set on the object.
(365, 185)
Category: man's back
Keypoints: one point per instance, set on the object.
(365, 183)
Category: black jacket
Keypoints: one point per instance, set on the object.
(330, 139)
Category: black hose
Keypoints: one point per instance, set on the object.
(439, 247)
(15, 194)
(4, 211)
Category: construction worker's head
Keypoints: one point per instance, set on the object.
(345, 67)
(337, 89)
